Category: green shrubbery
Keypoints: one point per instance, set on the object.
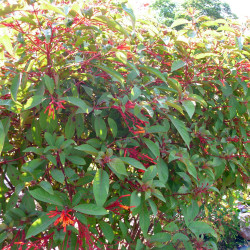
(117, 132)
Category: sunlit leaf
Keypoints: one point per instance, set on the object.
(117, 76)
(39, 225)
(84, 108)
(33, 101)
(91, 209)
(41, 195)
(181, 128)
(2, 136)
(177, 65)
(101, 187)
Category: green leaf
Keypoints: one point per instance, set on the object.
(181, 128)
(112, 24)
(190, 212)
(86, 179)
(12, 201)
(32, 165)
(118, 165)
(246, 145)
(33, 101)
(188, 245)
(88, 90)
(88, 149)
(152, 146)
(197, 98)
(59, 141)
(2, 136)
(135, 93)
(204, 55)
(6, 124)
(134, 163)
(144, 220)
(226, 28)
(180, 237)
(6, 42)
(100, 128)
(174, 105)
(79, 103)
(79, 125)
(91, 209)
(13, 175)
(177, 64)
(78, 197)
(47, 122)
(123, 228)
(27, 20)
(66, 143)
(190, 168)
(49, 138)
(200, 227)
(117, 76)
(101, 187)
(155, 72)
(75, 10)
(15, 86)
(7, 102)
(139, 245)
(46, 186)
(135, 71)
(147, 107)
(52, 159)
(160, 237)
(19, 187)
(40, 225)
(78, 59)
(36, 132)
(173, 83)
(209, 23)
(113, 126)
(3, 236)
(189, 107)
(149, 174)
(76, 160)
(153, 206)
(130, 13)
(107, 231)
(171, 227)
(157, 129)
(162, 170)
(178, 22)
(135, 200)
(41, 195)
(157, 193)
(70, 128)
(122, 56)
(47, 6)
(219, 166)
(49, 82)
(57, 175)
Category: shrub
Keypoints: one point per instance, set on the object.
(116, 132)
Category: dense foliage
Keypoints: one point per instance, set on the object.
(119, 133)
(170, 10)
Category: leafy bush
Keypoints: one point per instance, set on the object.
(116, 132)
(226, 216)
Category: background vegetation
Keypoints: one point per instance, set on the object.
(170, 10)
